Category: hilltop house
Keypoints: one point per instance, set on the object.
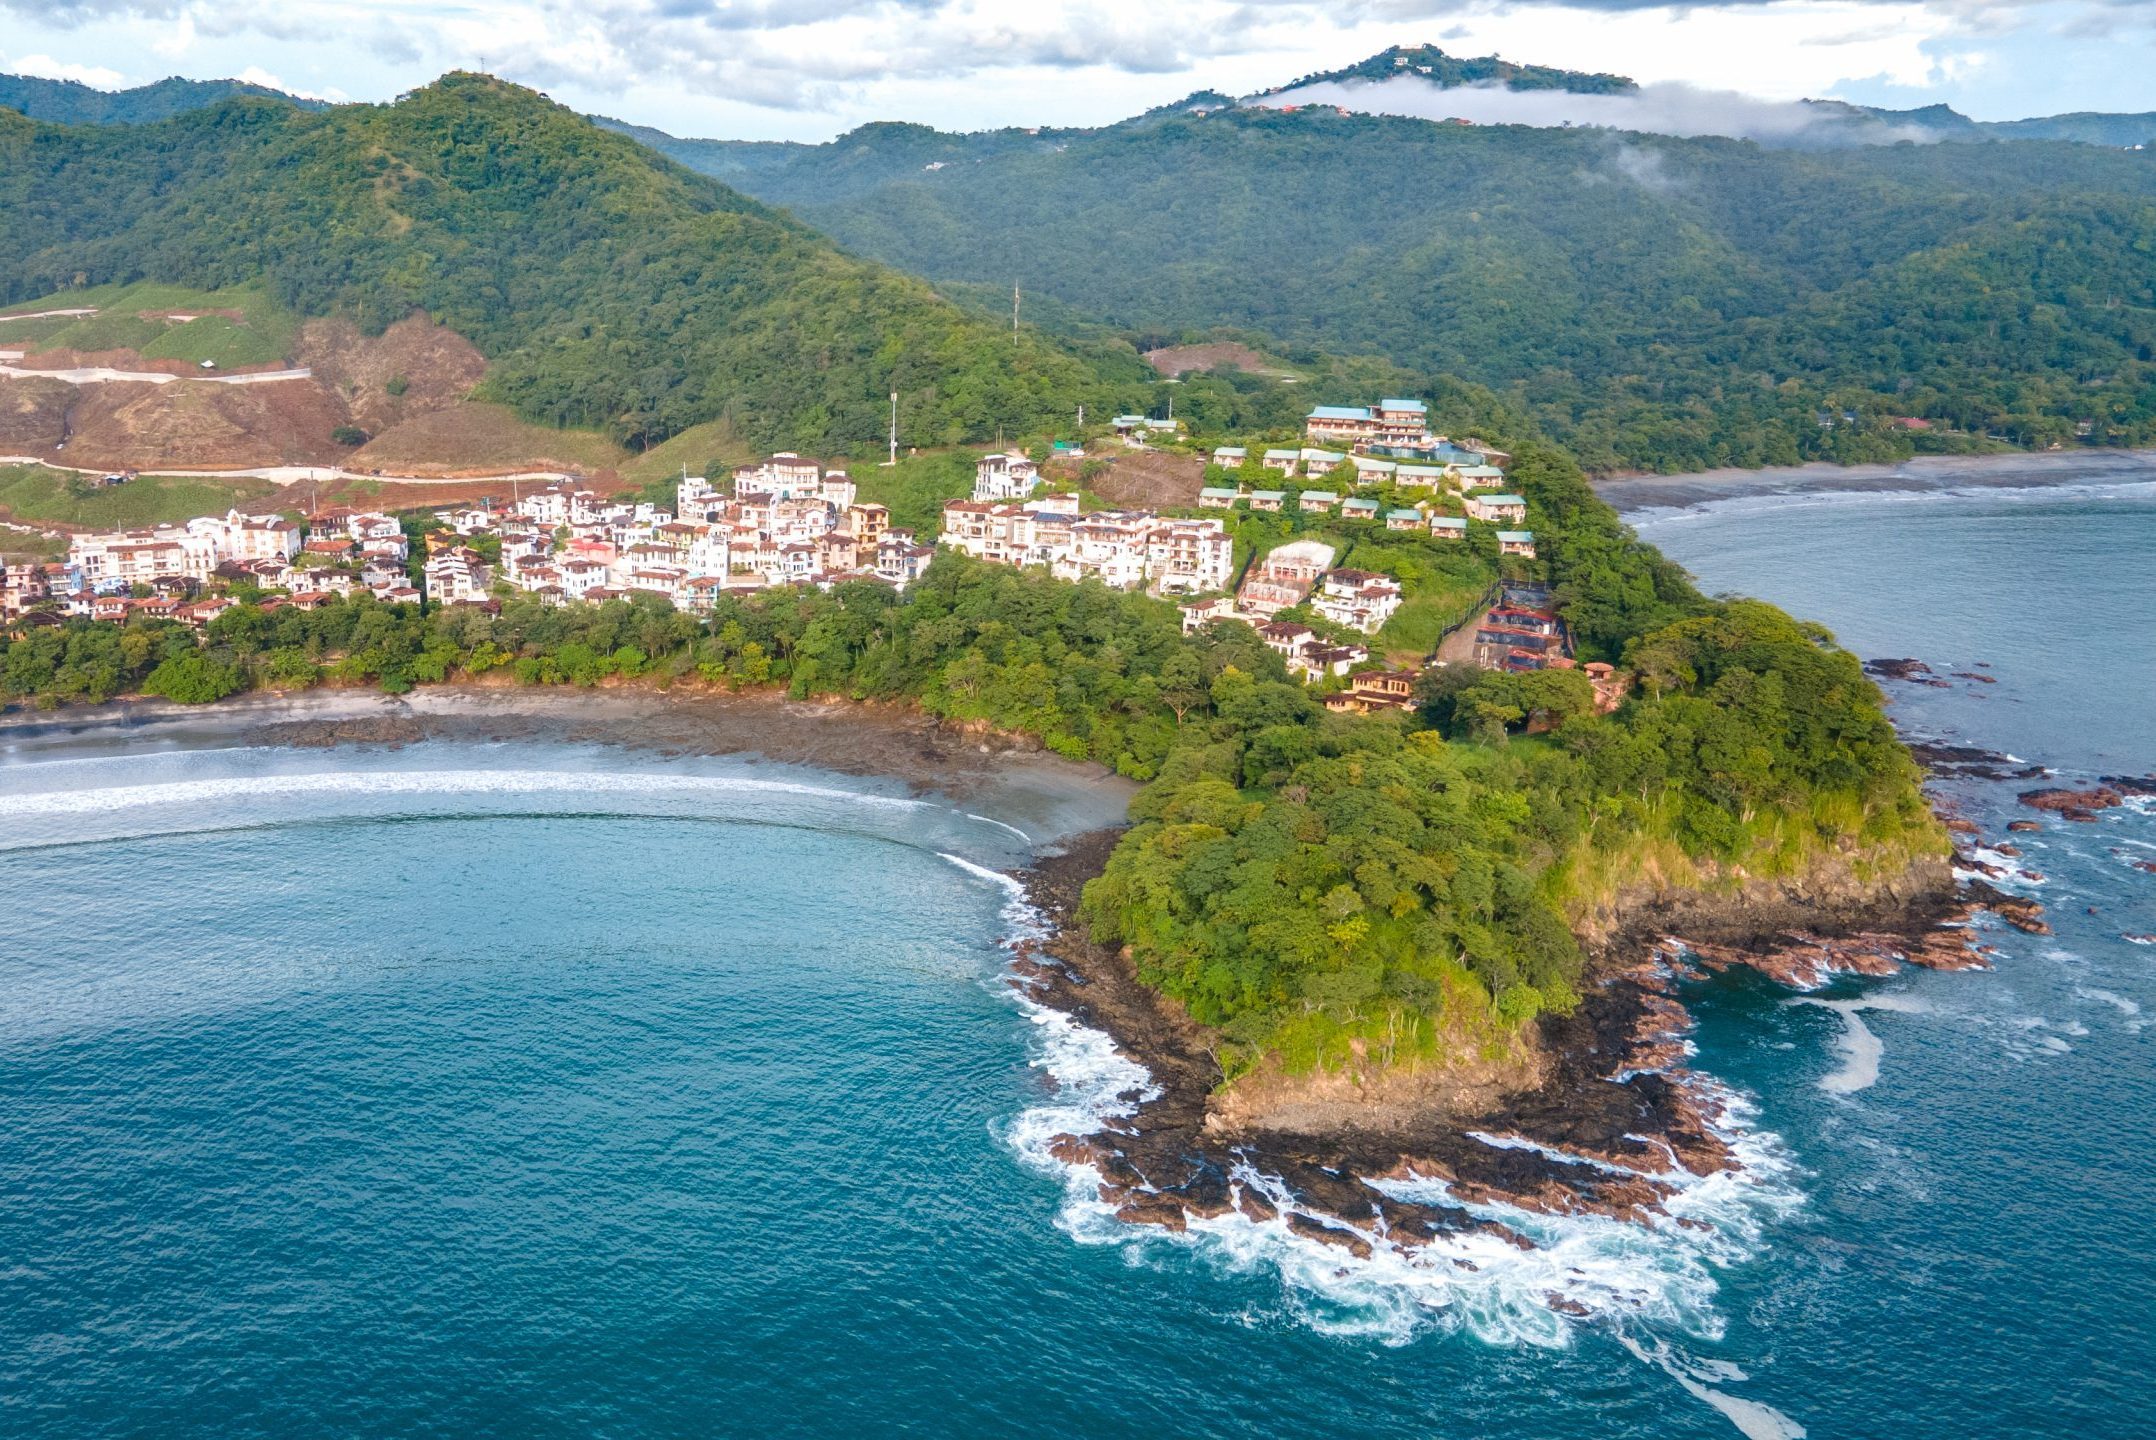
(1004, 477)
(1359, 599)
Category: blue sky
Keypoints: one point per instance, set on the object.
(809, 69)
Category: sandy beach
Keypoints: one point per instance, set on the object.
(1632, 493)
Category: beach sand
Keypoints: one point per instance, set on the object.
(1631, 493)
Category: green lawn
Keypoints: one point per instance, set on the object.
(34, 493)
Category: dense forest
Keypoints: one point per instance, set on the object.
(607, 286)
(70, 102)
(1318, 886)
(1654, 302)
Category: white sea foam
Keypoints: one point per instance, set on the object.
(1860, 1046)
(1000, 825)
(2009, 874)
(374, 783)
(2112, 998)
(1660, 1273)
(1752, 1419)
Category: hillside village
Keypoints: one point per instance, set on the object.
(789, 521)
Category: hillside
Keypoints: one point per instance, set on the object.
(1655, 302)
(1447, 71)
(605, 286)
(69, 102)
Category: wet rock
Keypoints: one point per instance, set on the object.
(1312, 1229)
(1971, 675)
(1906, 669)
(1958, 826)
(2011, 852)
(1152, 1208)
(2145, 866)
(1075, 1150)
(2079, 805)
(2023, 914)
(2024, 827)
(1564, 1305)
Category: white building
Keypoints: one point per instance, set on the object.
(1004, 477)
(1359, 599)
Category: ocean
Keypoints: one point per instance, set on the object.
(549, 1089)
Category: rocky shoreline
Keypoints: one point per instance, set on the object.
(1615, 1126)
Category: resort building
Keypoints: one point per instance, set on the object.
(1389, 422)
(1495, 509)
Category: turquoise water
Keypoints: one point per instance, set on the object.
(538, 1090)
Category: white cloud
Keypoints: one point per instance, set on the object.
(44, 67)
(256, 75)
(808, 68)
(1662, 108)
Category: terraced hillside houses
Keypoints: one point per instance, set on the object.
(1123, 549)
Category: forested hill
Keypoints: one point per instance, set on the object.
(69, 102)
(606, 285)
(1447, 71)
(1654, 302)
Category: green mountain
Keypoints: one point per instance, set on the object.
(606, 285)
(1446, 71)
(1655, 302)
(67, 102)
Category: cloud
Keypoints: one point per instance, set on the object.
(44, 67)
(973, 62)
(1660, 109)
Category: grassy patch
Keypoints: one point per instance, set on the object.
(916, 487)
(23, 334)
(223, 341)
(702, 448)
(473, 435)
(40, 493)
(254, 330)
(18, 545)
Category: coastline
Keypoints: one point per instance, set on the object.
(1009, 778)
(1615, 1125)
(1630, 494)
(1610, 1122)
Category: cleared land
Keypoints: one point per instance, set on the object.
(470, 435)
(1142, 479)
(1175, 360)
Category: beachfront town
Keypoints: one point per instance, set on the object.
(789, 521)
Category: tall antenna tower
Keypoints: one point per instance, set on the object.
(894, 429)
(1014, 307)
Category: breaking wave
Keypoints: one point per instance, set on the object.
(33, 804)
(1584, 1270)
